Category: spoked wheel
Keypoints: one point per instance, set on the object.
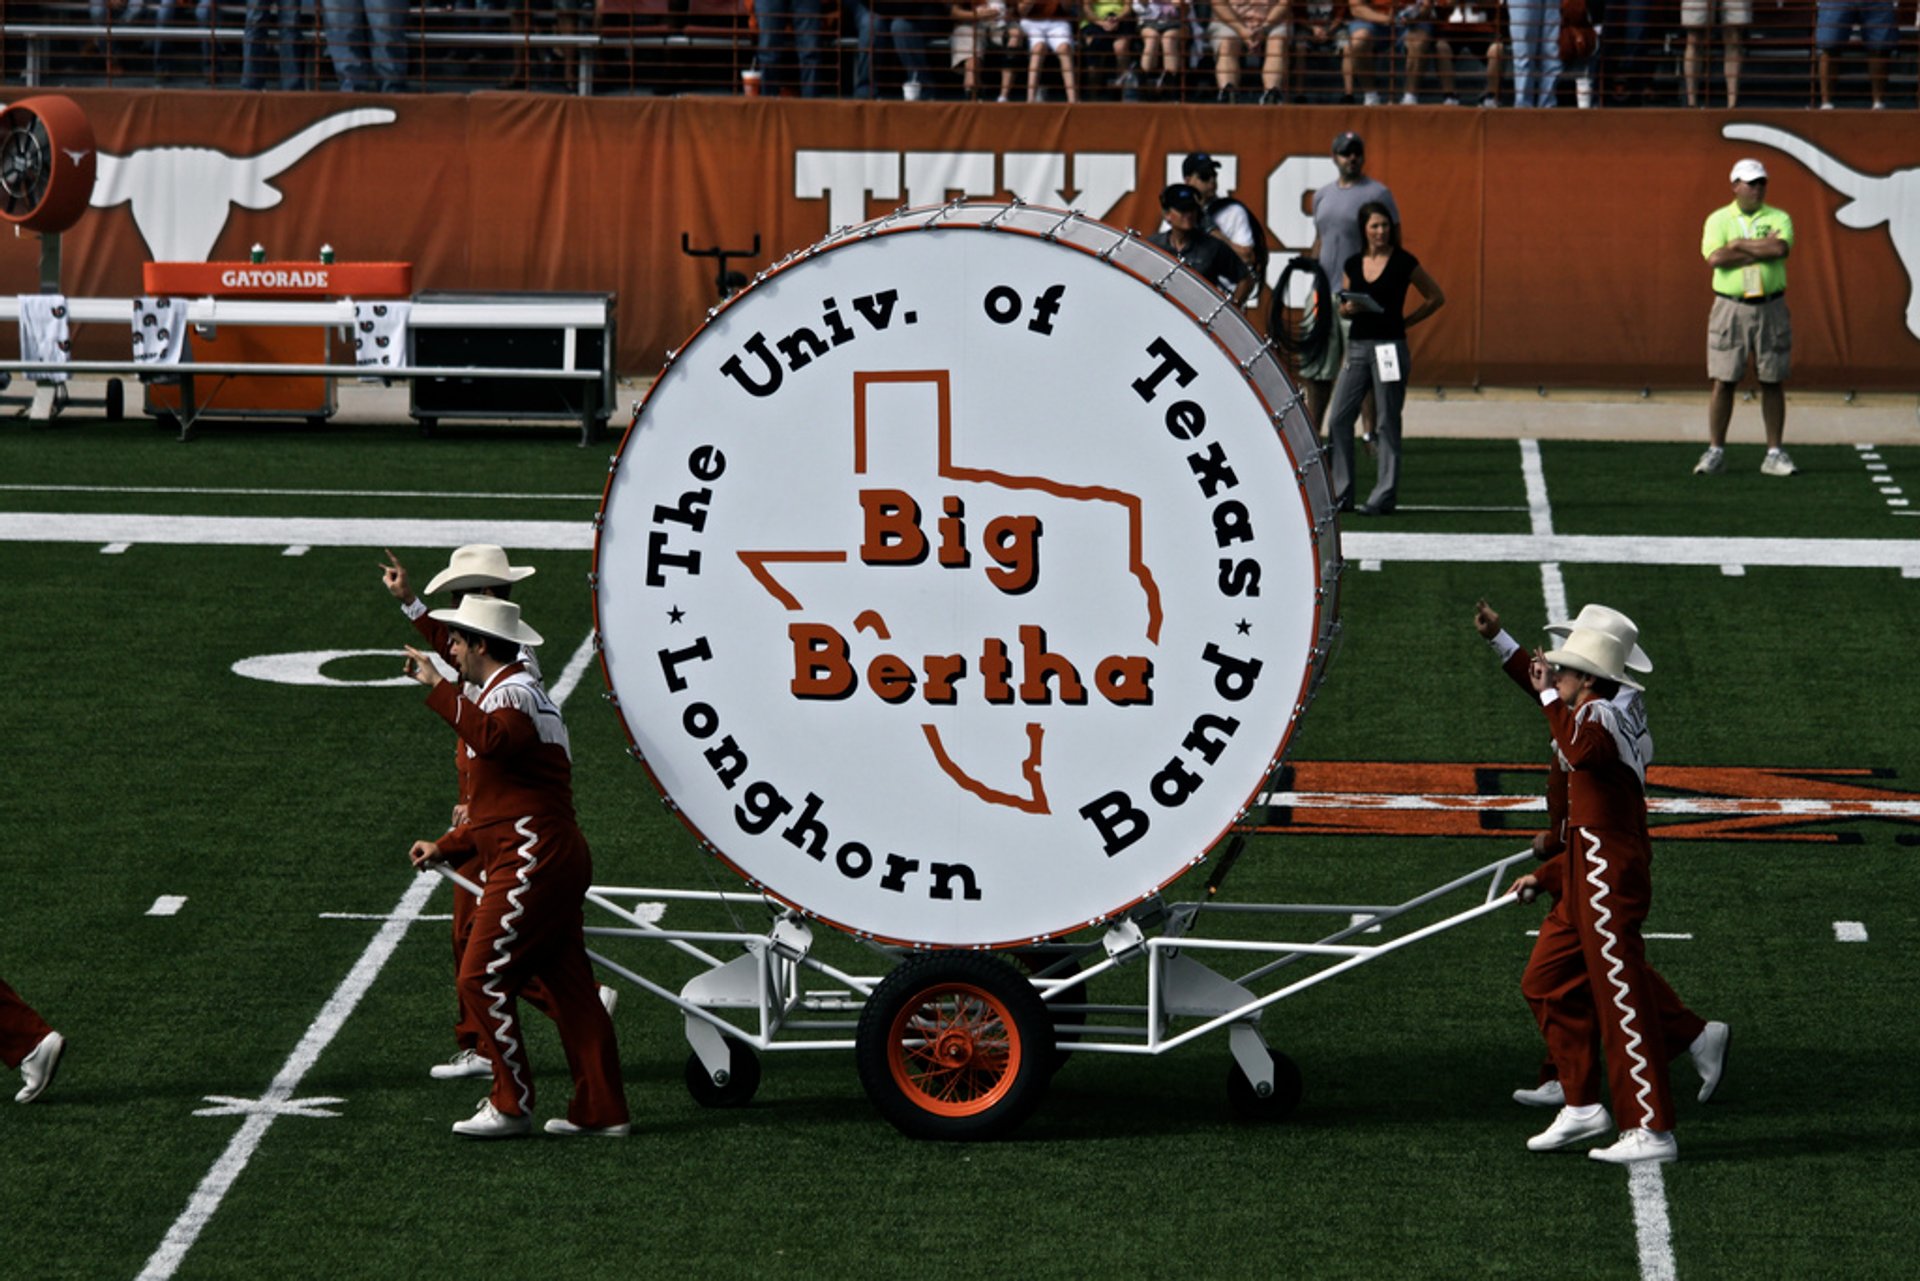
(954, 1045)
(1250, 1105)
(743, 1078)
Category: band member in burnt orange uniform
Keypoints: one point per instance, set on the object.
(528, 924)
(1555, 982)
(1606, 874)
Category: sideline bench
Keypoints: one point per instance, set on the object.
(576, 332)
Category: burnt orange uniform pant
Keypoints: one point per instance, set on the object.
(1629, 1009)
(21, 1027)
(466, 1028)
(527, 926)
(1556, 987)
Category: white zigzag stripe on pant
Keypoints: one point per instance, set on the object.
(502, 957)
(1621, 992)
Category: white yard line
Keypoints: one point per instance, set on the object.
(1800, 807)
(279, 1098)
(1650, 1227)
(567, 535)
(1553, 587)
(1652, 1231)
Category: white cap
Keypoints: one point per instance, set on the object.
(1749, 171)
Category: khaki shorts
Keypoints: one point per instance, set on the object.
(1733, 13)
(1736, 328)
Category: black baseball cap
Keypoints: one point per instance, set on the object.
(1180, 196)
(1349, 144)
(1199, 165)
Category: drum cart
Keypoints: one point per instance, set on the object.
(962, 1044)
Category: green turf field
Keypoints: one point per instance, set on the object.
(139, 764)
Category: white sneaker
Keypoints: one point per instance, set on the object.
(464, 1063)
(1550, 1095)
(560, 1125)
(1450, 101)
(1409, 100)
(1371, 99)
(1711, 463)
(37, 1069)
(1569, 1128)
(1639, 1145)
(1879, 106)
(1709, 1051)
(1490, 101)
(1826, 106)
(609, 997)
(491, 1123)
(1776, 463)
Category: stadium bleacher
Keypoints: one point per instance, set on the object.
(702, 46)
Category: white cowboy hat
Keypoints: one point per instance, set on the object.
(490, 616)
(1589, 650)
(1614, 623)
(477, 565)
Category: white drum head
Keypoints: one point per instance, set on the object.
(958, 583)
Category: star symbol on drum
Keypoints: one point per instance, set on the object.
(932, 528)
(675, 614)
(1244, 627)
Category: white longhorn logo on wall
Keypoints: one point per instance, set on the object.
(1892, 198)
(181, 197)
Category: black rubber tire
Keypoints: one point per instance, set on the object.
(743, 1079)
(116, 400)
(984, 1072)
(1278, 1106)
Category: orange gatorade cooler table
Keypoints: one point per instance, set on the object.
(264, 337)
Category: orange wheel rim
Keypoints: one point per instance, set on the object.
(954, 1050)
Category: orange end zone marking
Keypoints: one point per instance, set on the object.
(945, 467)
(756, 563)
(1033, 803)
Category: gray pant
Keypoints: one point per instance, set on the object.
(1359, 373)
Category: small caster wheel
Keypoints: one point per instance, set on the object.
(743, 1078)
(1249, 1105)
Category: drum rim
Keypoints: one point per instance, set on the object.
(1323, 529)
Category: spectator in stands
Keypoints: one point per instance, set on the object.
(1533, 29)
(98, 13)
(1187, 239)
(1879, 29)
(978, 33)
(1256, 27)
(1374, 300)
(1320, 28)
(789, 30)
(1107, 32)
(282, 17)
(364, 41)
(1735, 17)
(1473, 30)
(1629, 77)
(1410, 26)
(1048, 25)
(1162, 23)
(175, 57)
(906, 25)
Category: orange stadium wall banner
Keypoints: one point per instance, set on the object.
(1568, 242)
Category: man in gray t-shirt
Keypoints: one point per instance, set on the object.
(1336, 226)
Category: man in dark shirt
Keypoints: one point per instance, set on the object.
(1186, 239)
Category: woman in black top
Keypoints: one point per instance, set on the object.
(1374, 299)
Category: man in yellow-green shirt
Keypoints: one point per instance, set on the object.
(1747, 243)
